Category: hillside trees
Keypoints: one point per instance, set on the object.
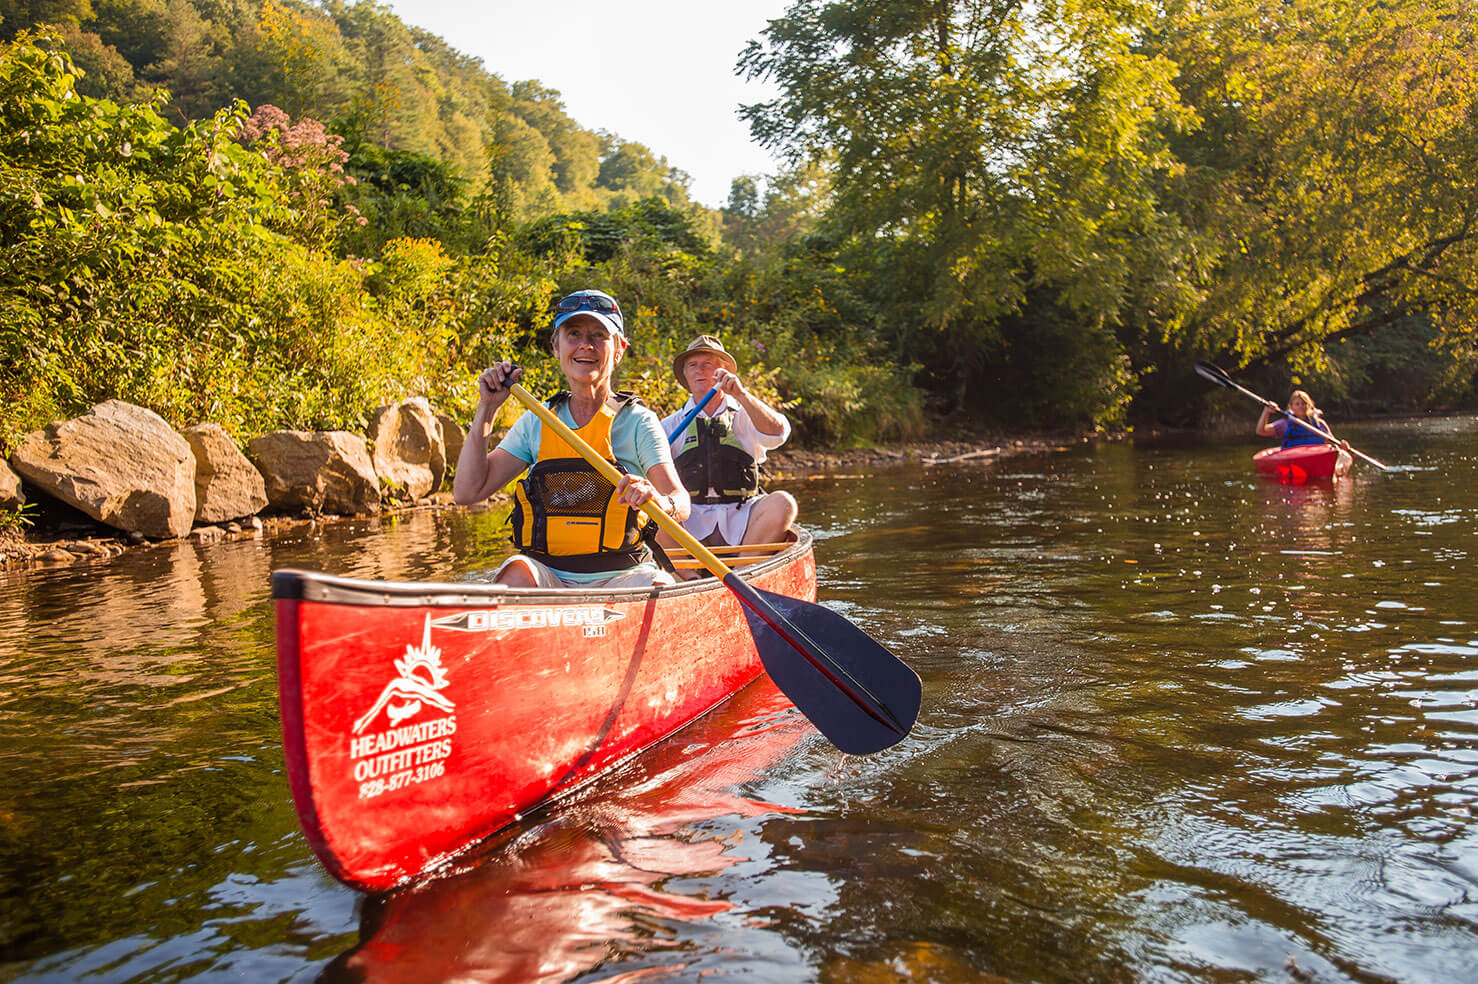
(372, 78)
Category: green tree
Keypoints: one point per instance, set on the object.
(23, 15)
(631, 172)
(981, 149)
(576, 150)
(1334, 178)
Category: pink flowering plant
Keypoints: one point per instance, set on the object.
(312, 163)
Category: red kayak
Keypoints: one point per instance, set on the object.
(1301, 464)
(417, 719)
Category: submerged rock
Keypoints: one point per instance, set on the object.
(120, 464)
(321, 471)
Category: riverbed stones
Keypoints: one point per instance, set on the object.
(227, 485)
(321, 471)
(121, 464)
(11, 495)
(409, 450)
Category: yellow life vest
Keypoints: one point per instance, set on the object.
(565, 513)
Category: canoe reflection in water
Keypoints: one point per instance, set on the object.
(551, 900)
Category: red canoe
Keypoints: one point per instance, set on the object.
(417, 719)
(1300, 464)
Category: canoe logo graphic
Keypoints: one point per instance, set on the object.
(421, 680)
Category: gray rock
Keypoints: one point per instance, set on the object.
(227, 485)
(120, 464)
(452, 436)
(11, 495)
(322, 471)
(409, 450)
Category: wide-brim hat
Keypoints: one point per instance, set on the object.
(703, 343)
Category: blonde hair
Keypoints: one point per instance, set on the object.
(1313, 411)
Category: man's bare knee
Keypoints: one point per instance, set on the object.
(516, 576)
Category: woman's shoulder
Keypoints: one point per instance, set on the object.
(632, 405)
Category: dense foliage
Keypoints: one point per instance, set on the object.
(283, 213)
(1057, 207)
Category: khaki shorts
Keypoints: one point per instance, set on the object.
(641, 576)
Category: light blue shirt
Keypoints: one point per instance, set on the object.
(636, 439)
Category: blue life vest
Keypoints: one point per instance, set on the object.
(1297, 435)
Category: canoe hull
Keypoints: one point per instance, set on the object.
(418, 719)
(1302, 464)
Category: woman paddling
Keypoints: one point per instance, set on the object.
(571, 527)
(1303, 424)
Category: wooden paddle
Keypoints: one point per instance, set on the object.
(1218, 376)
(857, 693)
(682, 425)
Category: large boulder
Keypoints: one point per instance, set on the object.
(11, 495)
(409, 450)
(452, 436)
(324, 471)
(120, 464)
(227, 485)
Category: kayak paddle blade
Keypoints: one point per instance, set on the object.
(1209, 372)
(858, 694)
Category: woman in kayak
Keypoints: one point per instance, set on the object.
(1311, 427)
(571, 527)
(1302, 425)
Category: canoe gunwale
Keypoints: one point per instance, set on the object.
(294, 584)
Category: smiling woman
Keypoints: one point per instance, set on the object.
(572, 527)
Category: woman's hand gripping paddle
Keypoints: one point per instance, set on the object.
(857, 693)
(1218, 376)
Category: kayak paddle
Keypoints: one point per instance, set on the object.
(857, 693)
(682, 425)
(1218, 376)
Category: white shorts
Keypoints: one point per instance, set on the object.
(729, 519)
(641, 576)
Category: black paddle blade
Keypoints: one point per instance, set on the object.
(857, 693)
(1207, 371)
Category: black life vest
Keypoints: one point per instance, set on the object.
(565, 513)
(709, 457)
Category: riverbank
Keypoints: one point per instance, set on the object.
(63, 536)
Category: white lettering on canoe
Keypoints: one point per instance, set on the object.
(505, 619)
(410, 734)
(407, 751)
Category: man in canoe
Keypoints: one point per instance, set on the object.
(1294, 433)
(719, 453)
(571, 527)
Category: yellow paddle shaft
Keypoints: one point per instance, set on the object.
(671, 526)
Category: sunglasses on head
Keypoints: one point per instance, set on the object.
(588, 302)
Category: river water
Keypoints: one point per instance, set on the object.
(1179, 724)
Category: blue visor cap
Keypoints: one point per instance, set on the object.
(591, 303)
